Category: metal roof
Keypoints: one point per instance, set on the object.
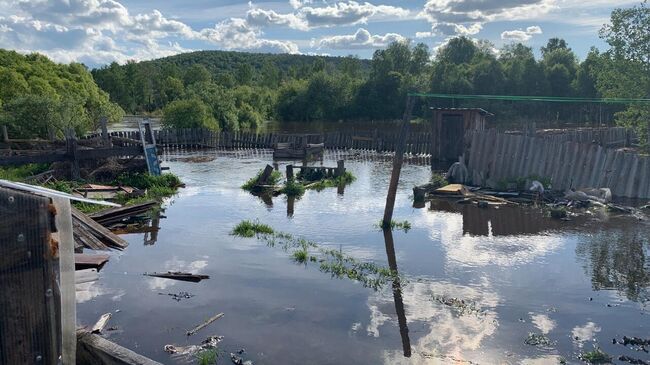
(479, 110)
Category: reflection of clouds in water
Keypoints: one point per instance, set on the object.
(451, 335)
(543, 360)
(88, 291)
(466, 250)
(175, 265)
(543, 322)
(582, 334)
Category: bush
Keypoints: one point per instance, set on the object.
(192, 113)
(274, 179)
(293, 188)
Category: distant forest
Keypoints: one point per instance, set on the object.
(234, 90)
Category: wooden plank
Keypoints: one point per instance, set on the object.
(204, 324)
(101, 323)
(94, 349)
(84, 261)
(112, 239)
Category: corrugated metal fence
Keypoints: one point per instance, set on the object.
(614, 137)
(497, 157)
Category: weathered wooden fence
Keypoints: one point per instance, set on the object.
(417, 143)
(494, 157)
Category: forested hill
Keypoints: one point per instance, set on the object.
(219, 62)
(232, 90)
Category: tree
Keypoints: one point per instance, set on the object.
(196, 73)
(244, 74)
(192, 113)
(629, 33)
(554, 44)
(457, 51)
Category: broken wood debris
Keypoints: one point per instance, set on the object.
(85, 276)
(101, 323)
(113, 215)
(94, 349)
(94, 191)
(204, 324)
(93, 235)
(85, 261)
(182, 276)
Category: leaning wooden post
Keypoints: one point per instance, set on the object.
(397, 163)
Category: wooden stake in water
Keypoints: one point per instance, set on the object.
(397, 163)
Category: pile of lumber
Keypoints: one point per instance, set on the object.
(114, 215)
(90, 234)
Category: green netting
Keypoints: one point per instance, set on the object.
(554, 99)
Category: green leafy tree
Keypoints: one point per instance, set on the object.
(192, 113)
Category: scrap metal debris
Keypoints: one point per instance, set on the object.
(237, 360)
(180, 296)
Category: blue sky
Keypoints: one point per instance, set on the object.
(97, 32)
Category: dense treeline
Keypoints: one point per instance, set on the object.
(239, 90)
(37, 94)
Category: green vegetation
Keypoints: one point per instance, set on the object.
(38, 94)
(192, 113)
(293, 188)
(274, 179)
(319, 182)
(251, 229)
(330, 261)
(207, 357)
(157, 187)
(596, 356)
(438, 180)
(537, 339)
(20, 173)
(400, 225)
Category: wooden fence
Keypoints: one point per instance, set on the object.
(495, 157)
(417, 143)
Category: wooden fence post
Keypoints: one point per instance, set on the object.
(340, 168)
(72, 151)
(397, 163)
(289, 172)
(5, 134)
(103, 122)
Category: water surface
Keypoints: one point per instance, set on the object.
(580, 283)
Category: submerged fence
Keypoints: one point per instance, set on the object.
(497, 157)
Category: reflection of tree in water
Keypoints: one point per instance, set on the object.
(617, 259)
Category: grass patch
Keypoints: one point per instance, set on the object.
(274, 179)
(399, 225)
(323, 183)
(293, 188)
(330, 261)
(207, 357)
(300, 256)
(147, 181)
(596, 356)
(251, 229)
(20, 173)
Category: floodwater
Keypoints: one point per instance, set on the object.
(581, 283)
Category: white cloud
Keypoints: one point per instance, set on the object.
(236, 33)
(362, 39)
(466, 17)
(519, 35)
(297, 4)
(263, 18)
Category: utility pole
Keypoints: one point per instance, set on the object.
(397, 162)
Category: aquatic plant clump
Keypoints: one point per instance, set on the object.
(399, 225)
(321, 184)
(251, 229)
(207, 357)
(251, 183)
(330, 261)
(293, 188)
(596, 356)
(438, 180)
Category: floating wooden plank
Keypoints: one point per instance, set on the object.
(85, 276)
(94, 349)
(84, 261)
(204, 324)
(182, 276)
(101, 323)
(97, 230)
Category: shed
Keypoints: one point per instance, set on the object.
(449, 126)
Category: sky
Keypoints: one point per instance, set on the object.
(97, 32)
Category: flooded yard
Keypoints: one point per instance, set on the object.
(495, 286)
